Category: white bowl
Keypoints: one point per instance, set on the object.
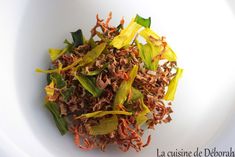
(201, 32)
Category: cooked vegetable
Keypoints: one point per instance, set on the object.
(49, 89)
(106, 89)
(105, 126)
(89, 85)
(59, 70)
(92, 55)
(91, 42)
(60, 121)
(147, 54)
(147, 33)
(54, 53)
(103, 113)
(170, 95)
(124, 89)
(141, 117)
(142, 21)
(58, 79)
(169, 54)
(136, 94)
(87, 59)
(126, 35)
(97, 71)
(77, 38)
(158, 45)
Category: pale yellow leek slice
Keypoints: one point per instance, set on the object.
(50, 89)
(105, 126)
(97, 114)
(126, 35)
(170, 95)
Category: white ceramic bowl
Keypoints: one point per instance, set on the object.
(201, 32)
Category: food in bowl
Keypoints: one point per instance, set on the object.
(112, 87)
